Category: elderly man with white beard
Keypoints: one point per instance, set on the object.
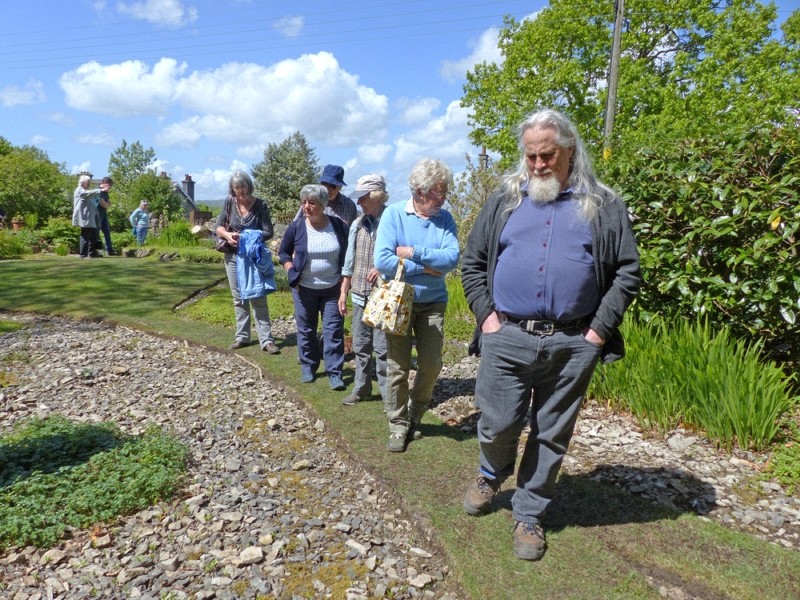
(549, 269)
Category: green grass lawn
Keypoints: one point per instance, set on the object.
(603, 543)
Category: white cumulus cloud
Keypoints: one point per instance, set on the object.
(415, 110)
(290, 26)
(212, 184)
(445, 137)
(165, 13)
(371, 155)
(58, 117)
(483, 49)
(87, 166)
(121, 90)
(38, 140)
(100, 139)
(31, 93)
(250, 104)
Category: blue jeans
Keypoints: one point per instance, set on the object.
(141, 235)
(557, 369)
(309, 304)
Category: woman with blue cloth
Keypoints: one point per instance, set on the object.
(312, 252)
(243, 212)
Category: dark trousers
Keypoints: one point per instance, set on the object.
(106, 229)
(309, 304)
(88, 235)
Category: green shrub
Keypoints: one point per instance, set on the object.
(60, 230)
(123, 239)
(62, 250)
(717, 222)
(56, 474)
(200, 255)
(457, 305)
(176, 235)
(785, 463)
(11, 246)
(687, 374)
(28, 238)
(31, 219)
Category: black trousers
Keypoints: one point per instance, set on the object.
(88, 236)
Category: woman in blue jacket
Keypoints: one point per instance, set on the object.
(312, 252)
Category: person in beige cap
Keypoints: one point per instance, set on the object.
(358, 276)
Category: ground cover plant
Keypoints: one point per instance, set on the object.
(604, 543)
(685, 373)
(56, 474)
(11, 246)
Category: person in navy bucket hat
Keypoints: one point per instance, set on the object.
(339, 205)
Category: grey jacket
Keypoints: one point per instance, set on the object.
(616, 263)
(84, 209)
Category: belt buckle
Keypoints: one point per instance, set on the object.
(544, 327)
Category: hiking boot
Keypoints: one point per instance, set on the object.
(397, 442)
(413, 431)
(529, 542)
(479, 496)
(271, 348)
(351, 400)
(237, 344)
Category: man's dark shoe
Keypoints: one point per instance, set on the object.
(479, 496)
(529, 541)
(271, 348)
(237, 344)
(397, 442)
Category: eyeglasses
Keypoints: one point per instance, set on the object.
(437, 195)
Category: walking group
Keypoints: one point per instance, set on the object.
(549, 269)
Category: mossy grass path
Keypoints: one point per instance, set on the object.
(603, 543)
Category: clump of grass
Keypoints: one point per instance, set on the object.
(56, 474)
(176, 235)
(11, 246)
(7, 326)
(457, 305)
(784, 465)
(686, 373)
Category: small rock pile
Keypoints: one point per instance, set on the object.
(273, 508)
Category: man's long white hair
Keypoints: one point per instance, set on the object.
(586, 189)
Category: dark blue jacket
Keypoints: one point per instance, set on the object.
(294, 246)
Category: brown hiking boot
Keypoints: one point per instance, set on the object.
(529, 542)
(478, 499)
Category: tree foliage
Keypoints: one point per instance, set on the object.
(127, 163)
(470, 191)
(284, 170)
(159, 192)
(689, 68)
(717, 222)
(30, 183)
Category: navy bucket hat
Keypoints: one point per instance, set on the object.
(333, 174)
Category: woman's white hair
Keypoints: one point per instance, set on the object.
(586, 189)
(427, 173)
(83, 179)
(315, 192)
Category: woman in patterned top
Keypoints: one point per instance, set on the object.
(243, 211)
(312, 252)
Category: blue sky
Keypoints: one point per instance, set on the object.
(374, 85)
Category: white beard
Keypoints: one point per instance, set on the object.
(543, 189)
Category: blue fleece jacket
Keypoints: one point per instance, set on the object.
(435, 245)
(255, 274)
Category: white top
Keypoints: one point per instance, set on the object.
(322, 269)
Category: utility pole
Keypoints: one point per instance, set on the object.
(613, 77)
(483, 159)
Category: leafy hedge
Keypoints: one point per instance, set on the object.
(716, 221)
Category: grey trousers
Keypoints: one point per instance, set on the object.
(402, 406)
(241, 308)
(557, 369)
(367, 340)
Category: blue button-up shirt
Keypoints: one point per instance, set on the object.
(545, 268)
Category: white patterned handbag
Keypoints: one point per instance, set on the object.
(389, 304)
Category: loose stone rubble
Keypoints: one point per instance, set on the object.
(272, 510)
(682, 470)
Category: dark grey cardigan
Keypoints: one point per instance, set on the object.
(616, 263)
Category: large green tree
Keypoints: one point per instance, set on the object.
(160, 194)
(30, 183)
(127, 163)
(284, 170)
(689, 68)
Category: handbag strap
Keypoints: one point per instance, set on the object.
(228, 216)
(398, 276)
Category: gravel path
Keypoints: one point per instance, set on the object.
(275, 508)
